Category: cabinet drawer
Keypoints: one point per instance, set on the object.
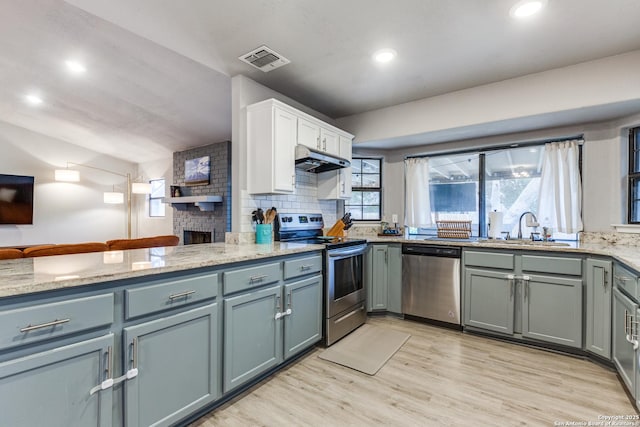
(302, 266)
(552, 265)
(625, 279)
(251, 277)
(27, 325)
(489, 259)
(170, 294)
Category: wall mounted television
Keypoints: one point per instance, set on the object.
(16, 199)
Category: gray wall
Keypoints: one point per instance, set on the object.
(217, 221)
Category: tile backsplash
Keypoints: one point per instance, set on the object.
(305, 200)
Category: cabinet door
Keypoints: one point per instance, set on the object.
(345, 147)
(624, 331)
(598, 307)
(252, 335)
(344, 183)
(394, 278)
(52, 388)
(379, 278)
(489, 300)
(303, 327)
(284, 159)
(552, 309)
(309, 134)
(177, 361)
(329, 142)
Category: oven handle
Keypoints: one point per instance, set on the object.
(346, 252)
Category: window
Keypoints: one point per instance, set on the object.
(634, 176)
(467, 186)
(156, 207)
(366, 196)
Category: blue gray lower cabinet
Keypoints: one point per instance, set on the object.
(624, 355)
(177, 361)
(303, 327)
(502, 295)
(599, 285)
(383, 277)
(51, 388)
(552, 309)
(489, 300)
(260, 332)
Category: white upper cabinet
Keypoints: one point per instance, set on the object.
(345, 147)
(271, 136)
(273, 131)
(329, 142)
(309, 134)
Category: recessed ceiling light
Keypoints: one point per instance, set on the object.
(384, 55)
(75, 67)
(33, 99)
(526, 8)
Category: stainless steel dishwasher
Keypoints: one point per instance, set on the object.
(431, 283)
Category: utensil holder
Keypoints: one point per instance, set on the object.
(263, 233)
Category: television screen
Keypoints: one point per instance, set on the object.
(16, 199)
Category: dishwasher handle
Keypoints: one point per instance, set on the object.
(431, 250)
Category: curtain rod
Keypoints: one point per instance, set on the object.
(579, 138)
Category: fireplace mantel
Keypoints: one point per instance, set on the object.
(205, 203)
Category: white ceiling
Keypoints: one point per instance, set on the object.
(159, 70)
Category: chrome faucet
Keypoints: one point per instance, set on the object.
(520, 222)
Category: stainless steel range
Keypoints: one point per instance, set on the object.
(344, 291)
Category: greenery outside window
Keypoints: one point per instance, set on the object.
(633, 214)
(365, 203)
(156, 207)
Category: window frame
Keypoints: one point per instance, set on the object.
(634, 134)
(377, 189)
(150, 199)
(482, 151)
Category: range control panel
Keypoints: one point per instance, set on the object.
(290, 221)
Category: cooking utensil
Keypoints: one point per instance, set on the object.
(258, 216)
(270, 215)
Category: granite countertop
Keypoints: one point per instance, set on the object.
(31, 275)
(629, 255)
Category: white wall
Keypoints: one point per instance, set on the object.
(245, 91)
(534, 98)
(63, 212)
(154, 226)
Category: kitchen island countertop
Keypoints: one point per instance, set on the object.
(32, 275)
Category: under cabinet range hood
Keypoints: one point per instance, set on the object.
(316, 161)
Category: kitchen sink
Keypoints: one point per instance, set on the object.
(523, 242)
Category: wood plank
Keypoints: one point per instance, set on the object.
(439, 377)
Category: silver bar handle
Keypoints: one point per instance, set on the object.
(109, 361)
(290, 299)
(278, 303)
(293, 180)
(621, 278)
(257, 278)
(525, 283)
(324, 144)
(134, 353)
(604, 278)
(306, 267)
(626, 323)
(181, 294)
(511, 278)
(44, 325)
(318, 142)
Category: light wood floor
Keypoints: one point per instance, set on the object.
(438, 378)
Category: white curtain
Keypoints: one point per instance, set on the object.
(417, 202)
(560, 201)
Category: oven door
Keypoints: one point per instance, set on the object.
(345, 282)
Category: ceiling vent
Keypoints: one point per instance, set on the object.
(264, 59)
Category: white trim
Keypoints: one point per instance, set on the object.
(627, 228)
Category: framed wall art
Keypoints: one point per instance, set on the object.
(197, 171)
